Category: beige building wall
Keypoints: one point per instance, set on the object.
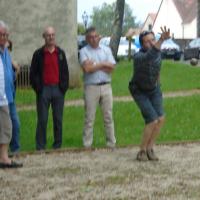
(148, 24)
(27, 19)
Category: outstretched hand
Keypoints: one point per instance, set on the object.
(165, 33)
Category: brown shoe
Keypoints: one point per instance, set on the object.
(142, 156)
(151, 155)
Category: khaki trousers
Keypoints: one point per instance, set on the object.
(95, 95)
(5, 125)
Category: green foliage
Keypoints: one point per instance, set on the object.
(102, 17)
(81, 29)
(129, 19)
(182, 124)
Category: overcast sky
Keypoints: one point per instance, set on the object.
(140, 8)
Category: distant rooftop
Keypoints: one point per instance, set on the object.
(187, 9)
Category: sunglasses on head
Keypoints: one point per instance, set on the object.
(143, 34)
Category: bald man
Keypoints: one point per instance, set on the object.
(49, 79)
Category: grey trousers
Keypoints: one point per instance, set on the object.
(98, 95)
(51, 95)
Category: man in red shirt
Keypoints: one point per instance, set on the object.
(49, 78)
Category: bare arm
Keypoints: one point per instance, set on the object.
(90, 66)
(16, 67)
(108, 67)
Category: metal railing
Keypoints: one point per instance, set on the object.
(23, 80)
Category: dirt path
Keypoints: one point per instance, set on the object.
(105, 174)
(80, 102)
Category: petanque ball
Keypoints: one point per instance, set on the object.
(194, 61)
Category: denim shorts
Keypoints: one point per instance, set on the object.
(150, 103)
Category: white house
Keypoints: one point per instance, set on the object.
(180, 16)
(148, 24)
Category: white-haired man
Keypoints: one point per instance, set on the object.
(6, 97)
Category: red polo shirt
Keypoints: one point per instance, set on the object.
(51, 68)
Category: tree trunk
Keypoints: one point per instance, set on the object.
(117, 27)
(198, 18)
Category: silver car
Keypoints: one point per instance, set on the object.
(192, 50)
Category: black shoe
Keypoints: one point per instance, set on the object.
(12, 165)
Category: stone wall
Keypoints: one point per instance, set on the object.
(26, 20)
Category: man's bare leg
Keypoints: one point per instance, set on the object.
(4, 154)
(155, 132)
(151, 142)
(147, 133)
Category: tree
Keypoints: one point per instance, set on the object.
(129, 19)
(102, 18)
(81, 29)
(117, 27)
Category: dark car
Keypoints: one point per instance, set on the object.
(192, 50)
(81, 42)
(171, 50)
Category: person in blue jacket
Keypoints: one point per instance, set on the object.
(6, 100)
(15, 141)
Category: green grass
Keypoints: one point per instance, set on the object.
(182, 124)
(174, 76)
(181, 113)
(177, 76)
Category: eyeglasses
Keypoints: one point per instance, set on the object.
(3, 35)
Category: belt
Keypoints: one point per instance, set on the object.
(102, 83)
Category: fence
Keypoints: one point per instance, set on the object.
(23, 80)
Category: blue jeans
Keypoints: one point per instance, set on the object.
(50, 95)
(14, 144)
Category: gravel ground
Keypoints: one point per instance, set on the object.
(105, 174)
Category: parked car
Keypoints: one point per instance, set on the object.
(81, 42)
(169, 49)
(123, 46)
(192, 50)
